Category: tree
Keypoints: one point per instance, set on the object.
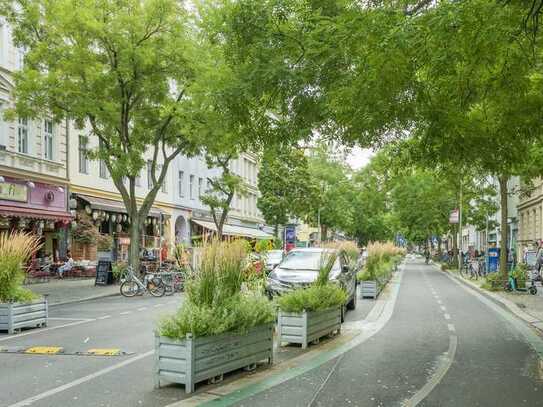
(284, 184)
(223, 189)
(331, 205)
(123, 70)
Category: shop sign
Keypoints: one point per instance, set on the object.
(454, 217)
(13, 192)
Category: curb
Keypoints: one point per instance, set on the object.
(508, 304)
(94, 297)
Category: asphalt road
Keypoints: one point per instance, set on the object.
(69, 380)
(443, 346)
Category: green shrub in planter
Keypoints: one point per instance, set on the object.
(493, 282)
(214, 301)
(16, 248)
(322, 294)
(314, 298)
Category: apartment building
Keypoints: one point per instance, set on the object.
(33, 164)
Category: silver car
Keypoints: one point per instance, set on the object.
(273, 258)
(300, 268)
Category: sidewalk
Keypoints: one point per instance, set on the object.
(525, 306)
(69, 291)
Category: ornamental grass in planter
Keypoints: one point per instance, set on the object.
(380, 263)
(307, 314)
(19, 307)
(219, 327)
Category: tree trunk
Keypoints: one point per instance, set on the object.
(324, 233)
(135, 236)
(276, 230)
(503, 225)
(455, 241)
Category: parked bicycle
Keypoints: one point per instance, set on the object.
(174, 281)
(131, 285)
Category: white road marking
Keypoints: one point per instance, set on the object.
(125, 313)
(86, 340)
(447, 316)
(39, 331)
(29, 401)
(439, 302)
(68, 319)
(104, 317)
(451, 327)
(158, 305)
(443, 308)
(142, 309)
(444, 364)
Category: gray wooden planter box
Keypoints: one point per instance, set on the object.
(307, 327)
(23, 315)
(369, 289)
(193, 360)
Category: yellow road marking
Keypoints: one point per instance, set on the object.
(44, 350)
(104, 352)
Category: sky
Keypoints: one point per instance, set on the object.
(359, 157)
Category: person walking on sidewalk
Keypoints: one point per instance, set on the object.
(538, 257)
(67, 266)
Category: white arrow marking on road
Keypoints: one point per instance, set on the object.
(59, 389)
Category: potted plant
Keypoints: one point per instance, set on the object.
(382, 260)
(104, 245)
(19, 307)
(219, 328)
(306, 315)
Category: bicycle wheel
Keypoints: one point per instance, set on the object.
(129, 288)
(156, 287)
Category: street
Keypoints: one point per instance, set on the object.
(444, 345)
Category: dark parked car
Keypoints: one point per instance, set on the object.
(300, 268)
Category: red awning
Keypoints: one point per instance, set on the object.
(34, 213)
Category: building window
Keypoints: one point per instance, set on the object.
(191, 187)
(21, 53)
(200, 187)
(48, 139)
(103, 168)
(149, 174)
(22, 136)
(83, 163)
(180, 180)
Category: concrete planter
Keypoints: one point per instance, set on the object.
(193, 360)
(307, 327)
(17, 315)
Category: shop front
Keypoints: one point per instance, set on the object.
(203, 229)
(111, 221)
(37, 208)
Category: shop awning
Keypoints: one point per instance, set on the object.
(114, 206)
(32, 213)
(234, 230)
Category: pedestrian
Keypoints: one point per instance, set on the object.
(539, 257)
(67, 266)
